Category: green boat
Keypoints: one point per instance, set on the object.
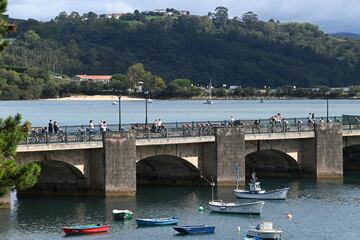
(122, 214)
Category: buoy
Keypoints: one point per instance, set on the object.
(200, 209)
(289, 216)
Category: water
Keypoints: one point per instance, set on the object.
(321, 210)
(80, 112)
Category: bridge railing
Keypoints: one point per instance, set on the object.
(81, 133)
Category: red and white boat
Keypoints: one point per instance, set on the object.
(86, 229)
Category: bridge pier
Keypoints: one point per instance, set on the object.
(230, 151)
(120, 164)
(329, 151)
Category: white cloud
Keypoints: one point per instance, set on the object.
(331, 15)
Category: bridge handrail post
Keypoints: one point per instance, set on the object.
(66, 134)
(176, 125)
(192, 125)
(47, 138)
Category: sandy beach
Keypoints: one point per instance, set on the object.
(96, 98)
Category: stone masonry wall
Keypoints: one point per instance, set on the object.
(120, 164)
(329, 151)
(230, 144)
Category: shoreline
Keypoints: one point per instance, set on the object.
(131, 98)
(95, 98)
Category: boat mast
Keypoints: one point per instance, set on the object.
(237, 171)
(210, 86)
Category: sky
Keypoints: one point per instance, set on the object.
(331, 15)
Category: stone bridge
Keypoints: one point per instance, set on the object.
(114, 166)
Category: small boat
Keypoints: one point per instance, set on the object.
(148, 100)
(156, 221)
(122, 214)
(264, 230)
(209, 101)
(114, 103)
(195, 229)
(255, 191)
(245, 208)
(86, 229)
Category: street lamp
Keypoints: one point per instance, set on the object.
(146, 107)
(120, 114)
(327, 107)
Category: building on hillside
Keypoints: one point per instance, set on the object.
(184, 13)
(160, 11)
(92, 78)
(112, 15)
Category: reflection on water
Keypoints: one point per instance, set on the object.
(321, 210)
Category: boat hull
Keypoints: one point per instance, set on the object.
(278, 194)
(156, 221)
(86, 229)
(264, 235)
(246, 208)
(195, 229)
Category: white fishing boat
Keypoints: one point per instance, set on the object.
(264, 230)
(245, 208)
(209, 100)
(255, 191)
(148, 100)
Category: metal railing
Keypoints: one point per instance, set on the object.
(82, 133)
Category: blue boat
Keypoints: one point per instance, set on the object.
(195, 229)
(156, 221)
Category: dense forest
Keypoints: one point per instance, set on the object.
(178, 52)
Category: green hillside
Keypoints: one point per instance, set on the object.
(240, 51)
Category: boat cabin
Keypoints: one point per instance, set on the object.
(254, 186)
(265, 226)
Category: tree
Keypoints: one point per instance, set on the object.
(220, 16)
(250, 19)
(4, 26)
(182, 88)
(12, 174)
(153, 84)
(136, 74)
(120, 83)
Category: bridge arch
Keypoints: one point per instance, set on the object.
(351, 157)
(58, 178)
(271, 162)
(166, 170)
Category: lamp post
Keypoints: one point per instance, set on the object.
(327, 107)
(120, 114)
(146, 107)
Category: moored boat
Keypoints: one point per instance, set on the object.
(122, 214)
(245, 208)
(258, 193)
(156, 221)
(195, 229)
(264, 230)
(255, 191)
(86, 229)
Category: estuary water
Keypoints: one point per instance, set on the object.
(320, 210)
(80, 112)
